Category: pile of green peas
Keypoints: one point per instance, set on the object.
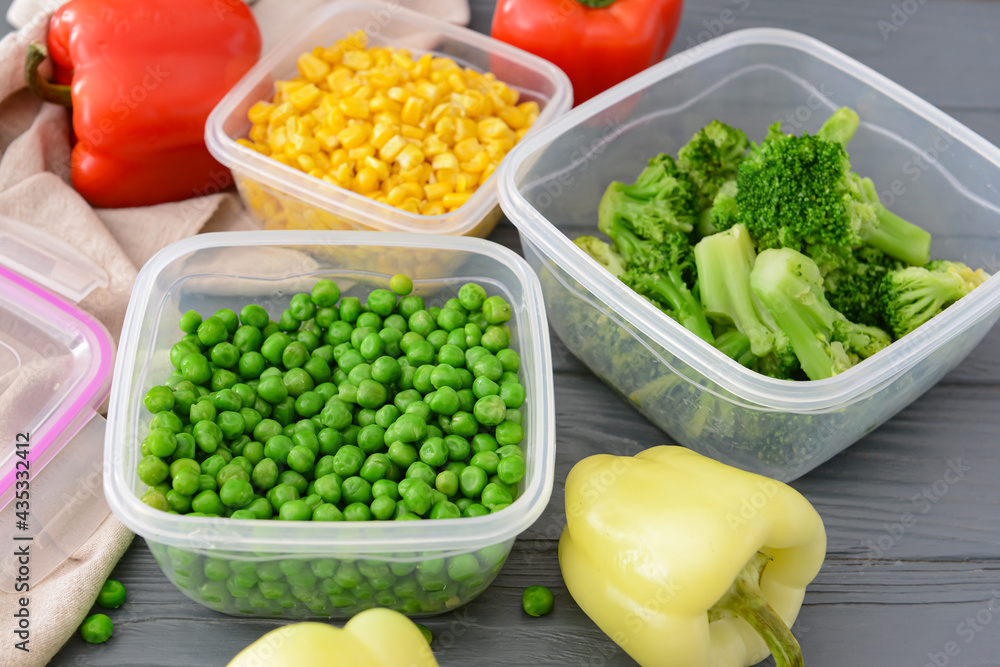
(341, 410)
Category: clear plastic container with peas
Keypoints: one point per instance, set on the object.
(303, 448)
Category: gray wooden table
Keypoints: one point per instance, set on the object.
(924, 594)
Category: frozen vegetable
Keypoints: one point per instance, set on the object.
(685, 561)
(598, 43)
(112, 595)
(537, 600)
(340, 410)
(141, 78)
(374, 638)
(417, 133)
(853, 265)
(96, 629)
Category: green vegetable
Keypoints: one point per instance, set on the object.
(913, 295)
(711, 159)
(537, 600)
(111, 595)
(96, 629)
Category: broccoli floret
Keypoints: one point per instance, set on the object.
(721, 214)
(659, 203)
(711, 158)
(912, 295)
(840, 126)
(602, 253)
(662, 273)
(799, 192)
(826, 343)
(724, 262)
(852, 285)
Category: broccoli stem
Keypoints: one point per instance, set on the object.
(893, 235)
(668, 287)
(840, 126)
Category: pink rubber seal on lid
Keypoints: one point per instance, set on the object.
(55, 371)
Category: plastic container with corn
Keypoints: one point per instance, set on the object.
(397, 130)
(418, 134)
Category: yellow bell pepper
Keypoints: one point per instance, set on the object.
(684, 561)
(374, 638)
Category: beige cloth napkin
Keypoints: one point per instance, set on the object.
(35, 189)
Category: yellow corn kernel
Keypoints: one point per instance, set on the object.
(354, 107)
(439, 64)
(415, 176)
(473, 102)
(433, 146)
(392, 148)
(492, 167)
(331, 55)
(258, 134)
(412, 190)
(437, 190)
(398, 94)
(356, 40)
(303, 144)
(311, 68)
(455, 200)
(411, 205)
(260, 112)
(457, 82)
(507, 94)
(466, 182)
(281, 113)
(396, 196)
(306, 162)
(403, 61)
(423, 66)
(357, 60)
(381, 103)
(361, 152)
(413, 110)
(493, 128)
(445, 161)
(410, 157)
(316, 173)
(277, 140)
(321, 161)
(382, 133)
(326, 138)
(467, 149)
(366, 180)
(247, 143)
(340, 79)
(384, 79)
(338, 157)
(480, 161)
(412, 132)
(432, 208)
(428, 91)
(344, 174)
(286, 88)
(497, 150)
(353, 136)
(445, 129)
(465, 128)
(378, 166)
(520, 133)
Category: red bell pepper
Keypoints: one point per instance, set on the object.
(145, 74)
(598, 43)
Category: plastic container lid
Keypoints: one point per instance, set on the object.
(55, 372)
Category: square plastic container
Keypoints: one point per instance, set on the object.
(285, 198)
(550, 187)
(55, 372)
(322, 569)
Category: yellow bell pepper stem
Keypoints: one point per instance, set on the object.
(654, 544)
(375, 638)
(745, 600)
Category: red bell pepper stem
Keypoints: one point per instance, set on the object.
(45, 90)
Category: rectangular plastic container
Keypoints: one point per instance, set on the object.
(285, 198)
(55, 373)
(322, 569)
(550, 187)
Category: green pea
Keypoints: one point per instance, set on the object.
(494, 494)
(483, 386)
(152, 470)
(487, 365)
(296, 480)
(194, 367)
(236, 493)
(445, 510)
(462, 423)
(325, 293)
(208, 502)
(162, 442)
(496, 310)
(309, 403)
(327, 512)
(298, 382)
(281, 494)
(434, 452)
(348, 460)
(408, 305)
(229, 318)
(207, 482)
(180, 350)
(447, 482)
(450, 319)
(437, 339)
(495, 338)
(274, 346)
(295, 510)
(537, 600)
(371, 394)
(357, 512)
(266, 429)
(251, 365)
(356, 490)
(254, 316)
(471, 296)
(159, 399)
(422, 471)
(509, 433)
(211, 331)
(294, 355)
(254, 452)
(382, 508)
(400, 284)
(473, 335)
(190, 321)
(381, 302)
(318, 369)
(301, 459)
(272, 389)
(96, 629)
(458, 447)
(277, 448)
(490, 410)
(417, 496)
(223, 379)
(350, 309)
(302, 307)
(472, 481)
(420, 353)
(510, 470)
(475, 509)
(112, 595)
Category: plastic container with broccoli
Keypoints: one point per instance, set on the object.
(774, 283)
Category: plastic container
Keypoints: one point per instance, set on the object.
(55, 372)
(550, 187)
(321, 569)
(283, 197)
